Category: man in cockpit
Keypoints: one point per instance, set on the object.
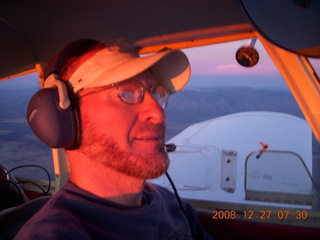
(119, 100)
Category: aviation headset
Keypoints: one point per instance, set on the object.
(52, 112)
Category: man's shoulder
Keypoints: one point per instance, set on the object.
(51, 227)
(52, 220)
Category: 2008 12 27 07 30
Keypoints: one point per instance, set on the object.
(263, 214)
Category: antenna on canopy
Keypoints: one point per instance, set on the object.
(263, 149)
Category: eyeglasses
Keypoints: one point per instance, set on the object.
(132, 92)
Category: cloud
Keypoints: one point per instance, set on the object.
(233, 69)
(226, 66)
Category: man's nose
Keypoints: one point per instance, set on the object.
(151, 111)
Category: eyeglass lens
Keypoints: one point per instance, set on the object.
(133, 92)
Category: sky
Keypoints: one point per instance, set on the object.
(211, 66)
(220, 59)
(216, 66)
(26, 81)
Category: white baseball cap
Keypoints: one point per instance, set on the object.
(171, 68)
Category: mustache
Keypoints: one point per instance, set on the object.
(152, 128)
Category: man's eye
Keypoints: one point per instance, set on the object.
(126, 93)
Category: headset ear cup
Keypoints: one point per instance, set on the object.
(55, 127)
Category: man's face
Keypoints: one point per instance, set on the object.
(128, 138)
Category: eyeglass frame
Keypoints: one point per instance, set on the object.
(143, 89)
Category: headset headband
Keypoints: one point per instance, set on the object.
(73, 49)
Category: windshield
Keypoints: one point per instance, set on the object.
(227, 108)
(216, 121)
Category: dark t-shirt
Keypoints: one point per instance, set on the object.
(74, 213)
